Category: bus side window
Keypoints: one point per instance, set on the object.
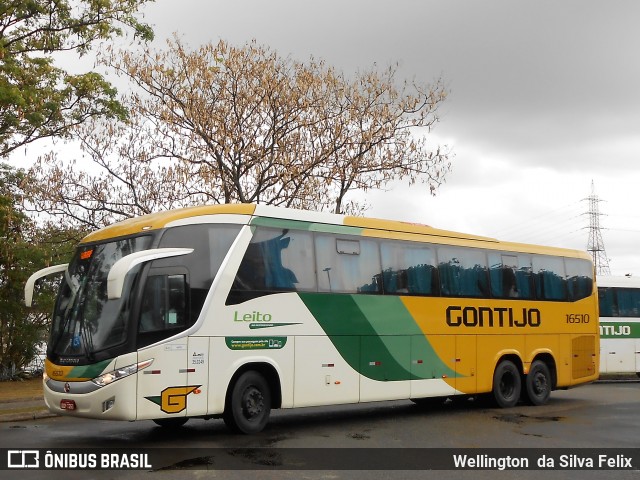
(607, 301)
(163, 311)
(276, 260)
(408, 269)
(628, 300)
(550, 279)
(348, 265)
(463, 272)
(210, 243)
(579, 278)
(510, 275)
(176, 311)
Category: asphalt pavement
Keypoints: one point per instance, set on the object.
(32, 408)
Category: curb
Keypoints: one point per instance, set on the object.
(24, 416)
(33, 408)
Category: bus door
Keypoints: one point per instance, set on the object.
(164, 386)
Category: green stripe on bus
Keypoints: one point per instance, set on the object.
(619, 329)
(375, 335)
(89, 371)
(389, 317)
(307, 226)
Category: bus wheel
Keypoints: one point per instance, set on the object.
(506, 384)
(538, 383)
(171, 422)
(249, 404)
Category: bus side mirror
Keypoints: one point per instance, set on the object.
(28, 288)
(119, 270)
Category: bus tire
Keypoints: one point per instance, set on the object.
(249, 404)
(538, 383)
(507, 384)
(171, 422)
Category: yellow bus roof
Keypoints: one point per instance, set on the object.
(155, 221)
(370, 227)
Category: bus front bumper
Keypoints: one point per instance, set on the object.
(116, 401)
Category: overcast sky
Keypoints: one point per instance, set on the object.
(544, 99)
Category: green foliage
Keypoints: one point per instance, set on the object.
(39, 100)
(24, 249)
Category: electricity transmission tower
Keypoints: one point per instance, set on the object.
(595, 245)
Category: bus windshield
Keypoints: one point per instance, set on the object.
(84, 320)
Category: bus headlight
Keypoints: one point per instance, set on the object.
(110, 377)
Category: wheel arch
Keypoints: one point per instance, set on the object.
(548, 359)
(514, 358)
(269, 373)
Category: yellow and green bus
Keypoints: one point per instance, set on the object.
(234, 310)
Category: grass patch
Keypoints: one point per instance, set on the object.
(21, 389)
(17, 411)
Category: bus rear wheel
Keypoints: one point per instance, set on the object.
(538, 383)
(249, 404)
(507, 384)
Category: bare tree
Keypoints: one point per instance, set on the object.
(223, 124)
(124, 178)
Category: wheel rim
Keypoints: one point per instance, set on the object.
(252, 403)
(507, 385)
(539, 384)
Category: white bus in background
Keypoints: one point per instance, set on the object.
(619, 324)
